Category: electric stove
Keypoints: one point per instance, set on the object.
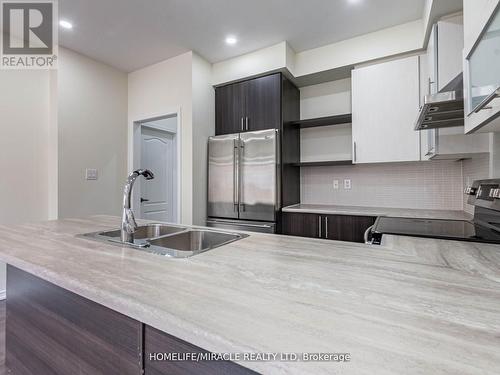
(484, 227)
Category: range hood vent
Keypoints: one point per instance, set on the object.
(444, 109)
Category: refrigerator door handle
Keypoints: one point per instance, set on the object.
(235, 175)
(240, 175)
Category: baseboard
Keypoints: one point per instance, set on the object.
(3, 294)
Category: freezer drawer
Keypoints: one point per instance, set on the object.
(249, 226)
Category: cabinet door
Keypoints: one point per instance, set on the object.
(385, 104)
(347, 228)
(263, 103)
(482, 80)
(51, 330)
(303, 225)
(450, 36)
(230, 108)
(160, 344)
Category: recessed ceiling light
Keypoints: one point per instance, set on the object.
(354, 1)
(65, 24)
(231, 40)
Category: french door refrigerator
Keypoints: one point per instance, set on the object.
(243, 181)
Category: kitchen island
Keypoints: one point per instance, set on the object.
(410, 306)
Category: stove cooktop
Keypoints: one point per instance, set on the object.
(459, 230)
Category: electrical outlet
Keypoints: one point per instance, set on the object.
(91, 174)
(335, 184)
(347, 184)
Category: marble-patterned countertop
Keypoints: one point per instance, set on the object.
(410, 306)
(378, 211)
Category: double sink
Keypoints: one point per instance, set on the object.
(169, 240)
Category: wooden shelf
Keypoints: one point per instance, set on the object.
(324, 121)
(322, 163)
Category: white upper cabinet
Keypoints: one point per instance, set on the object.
(476, 16)
(450, 45)
(481, 62)
(385, 104)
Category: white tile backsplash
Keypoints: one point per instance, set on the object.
(425, 185)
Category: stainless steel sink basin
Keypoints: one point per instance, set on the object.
(169, 240)
(147, 231)
(195, 241)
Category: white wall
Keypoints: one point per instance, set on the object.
(263, 60)
(203, 127)
(156, 91)
(391, 41)
(25, 121)
(92, 120)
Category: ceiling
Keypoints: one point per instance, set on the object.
(131, 34)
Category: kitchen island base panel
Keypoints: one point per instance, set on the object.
(50, 330)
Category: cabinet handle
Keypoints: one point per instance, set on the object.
(429, 89)
(487, 100)
(354, 156)
(246, 119)
(319, 226)
(242, 127)
(326, 227)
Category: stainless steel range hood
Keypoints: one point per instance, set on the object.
(444, 109)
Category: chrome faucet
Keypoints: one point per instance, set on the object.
(129, 226)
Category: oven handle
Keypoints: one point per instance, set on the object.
(367, 233)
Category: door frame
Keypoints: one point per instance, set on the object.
(134, 154)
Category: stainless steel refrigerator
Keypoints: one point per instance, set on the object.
(243, 181)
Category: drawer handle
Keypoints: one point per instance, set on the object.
(319, 225)
(487, 100)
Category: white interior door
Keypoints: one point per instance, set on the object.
(158, 154)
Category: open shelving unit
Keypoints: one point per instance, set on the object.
(342, 119)
(322, 163)
(324, 121)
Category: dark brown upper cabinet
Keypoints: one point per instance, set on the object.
(249, 105)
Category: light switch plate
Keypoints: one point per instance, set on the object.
(347, 184)
(91, 174)
(335, 184)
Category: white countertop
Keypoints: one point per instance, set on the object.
(411, 306)
(378, 211)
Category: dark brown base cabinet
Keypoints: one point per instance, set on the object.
(332, 227)
(50, 330)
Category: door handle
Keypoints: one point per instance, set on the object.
(144, 200)
(246, 123)
(242, 128)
